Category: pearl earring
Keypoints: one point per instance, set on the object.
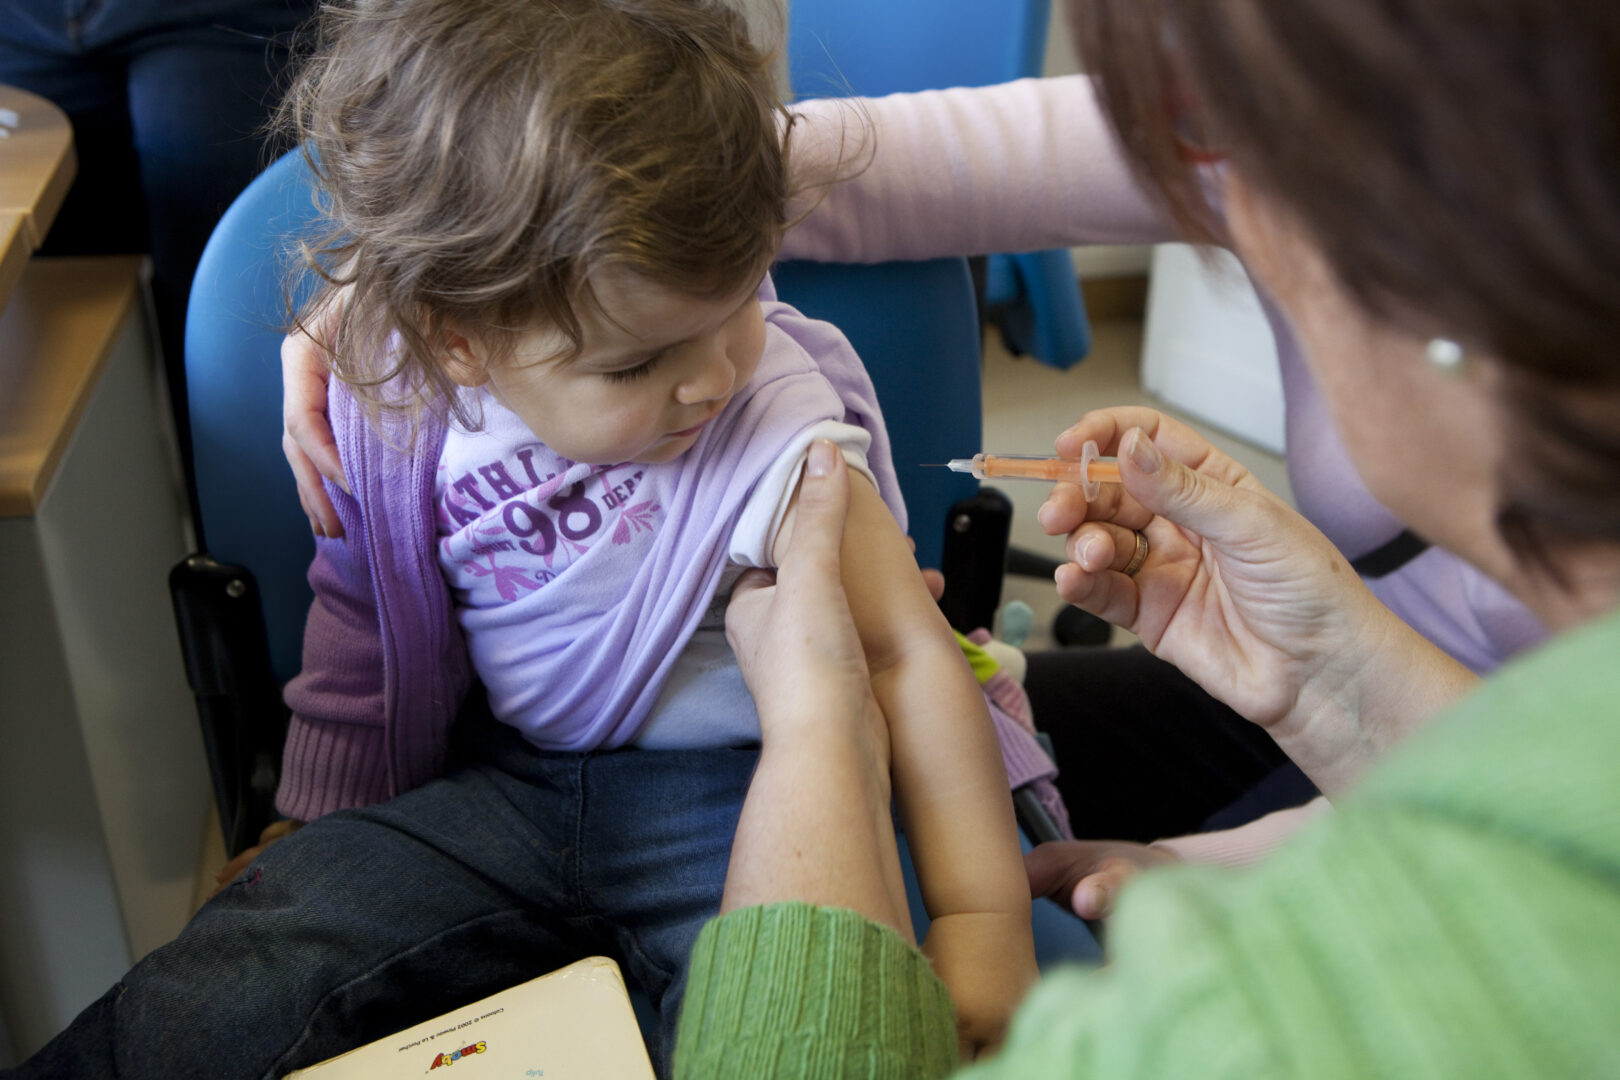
(1446, 355)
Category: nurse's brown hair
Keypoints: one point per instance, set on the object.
(1458, 164)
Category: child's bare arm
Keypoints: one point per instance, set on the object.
(949, 779)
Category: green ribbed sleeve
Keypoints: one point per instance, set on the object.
(792, 990)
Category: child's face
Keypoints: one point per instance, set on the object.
(653, 372)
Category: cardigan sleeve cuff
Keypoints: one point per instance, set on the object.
(331, 766)
(792, 990)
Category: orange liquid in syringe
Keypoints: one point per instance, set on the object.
(1055, 470)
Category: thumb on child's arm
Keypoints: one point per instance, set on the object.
(823, 504)
(807, 548)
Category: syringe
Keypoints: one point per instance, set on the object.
(1089, 472)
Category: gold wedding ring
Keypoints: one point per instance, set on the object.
(1137, 557)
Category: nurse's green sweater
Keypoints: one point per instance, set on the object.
(1459, 916)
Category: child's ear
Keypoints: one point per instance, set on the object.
(463, 358)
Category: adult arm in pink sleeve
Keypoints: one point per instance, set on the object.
(1022, 166)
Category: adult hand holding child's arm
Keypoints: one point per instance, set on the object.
(950, 782)
(815, 828)
(819, 660)
(828, 842)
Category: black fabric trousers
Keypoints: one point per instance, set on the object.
(1144, 753)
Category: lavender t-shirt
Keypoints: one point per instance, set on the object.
(580, 587)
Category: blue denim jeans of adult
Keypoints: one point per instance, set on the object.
(169, 101)
(368, 921)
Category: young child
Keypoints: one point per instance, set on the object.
(570, 411)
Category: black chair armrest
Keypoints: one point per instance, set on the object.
(244, 723)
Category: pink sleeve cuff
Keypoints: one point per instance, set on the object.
(1246, 844)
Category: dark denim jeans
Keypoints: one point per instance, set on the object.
(368, 921)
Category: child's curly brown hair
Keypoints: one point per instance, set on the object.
(480, 160)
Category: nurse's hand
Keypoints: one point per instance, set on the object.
(792, 632)
(306, 435)
(1244, 595)
(816, 824)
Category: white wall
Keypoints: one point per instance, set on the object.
(1208, 349)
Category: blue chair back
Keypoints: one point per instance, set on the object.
(238, 314)
(876, 47)
(915, 326)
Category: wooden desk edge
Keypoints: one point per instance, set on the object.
(73, 310)
(38, 169)
(51, 196)
(14, 255)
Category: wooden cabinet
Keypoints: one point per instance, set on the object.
(103, 785)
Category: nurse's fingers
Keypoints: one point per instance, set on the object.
(1098, 545)
(1109, 595)
(1066, 508)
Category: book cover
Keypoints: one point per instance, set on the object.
(573, 1024)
